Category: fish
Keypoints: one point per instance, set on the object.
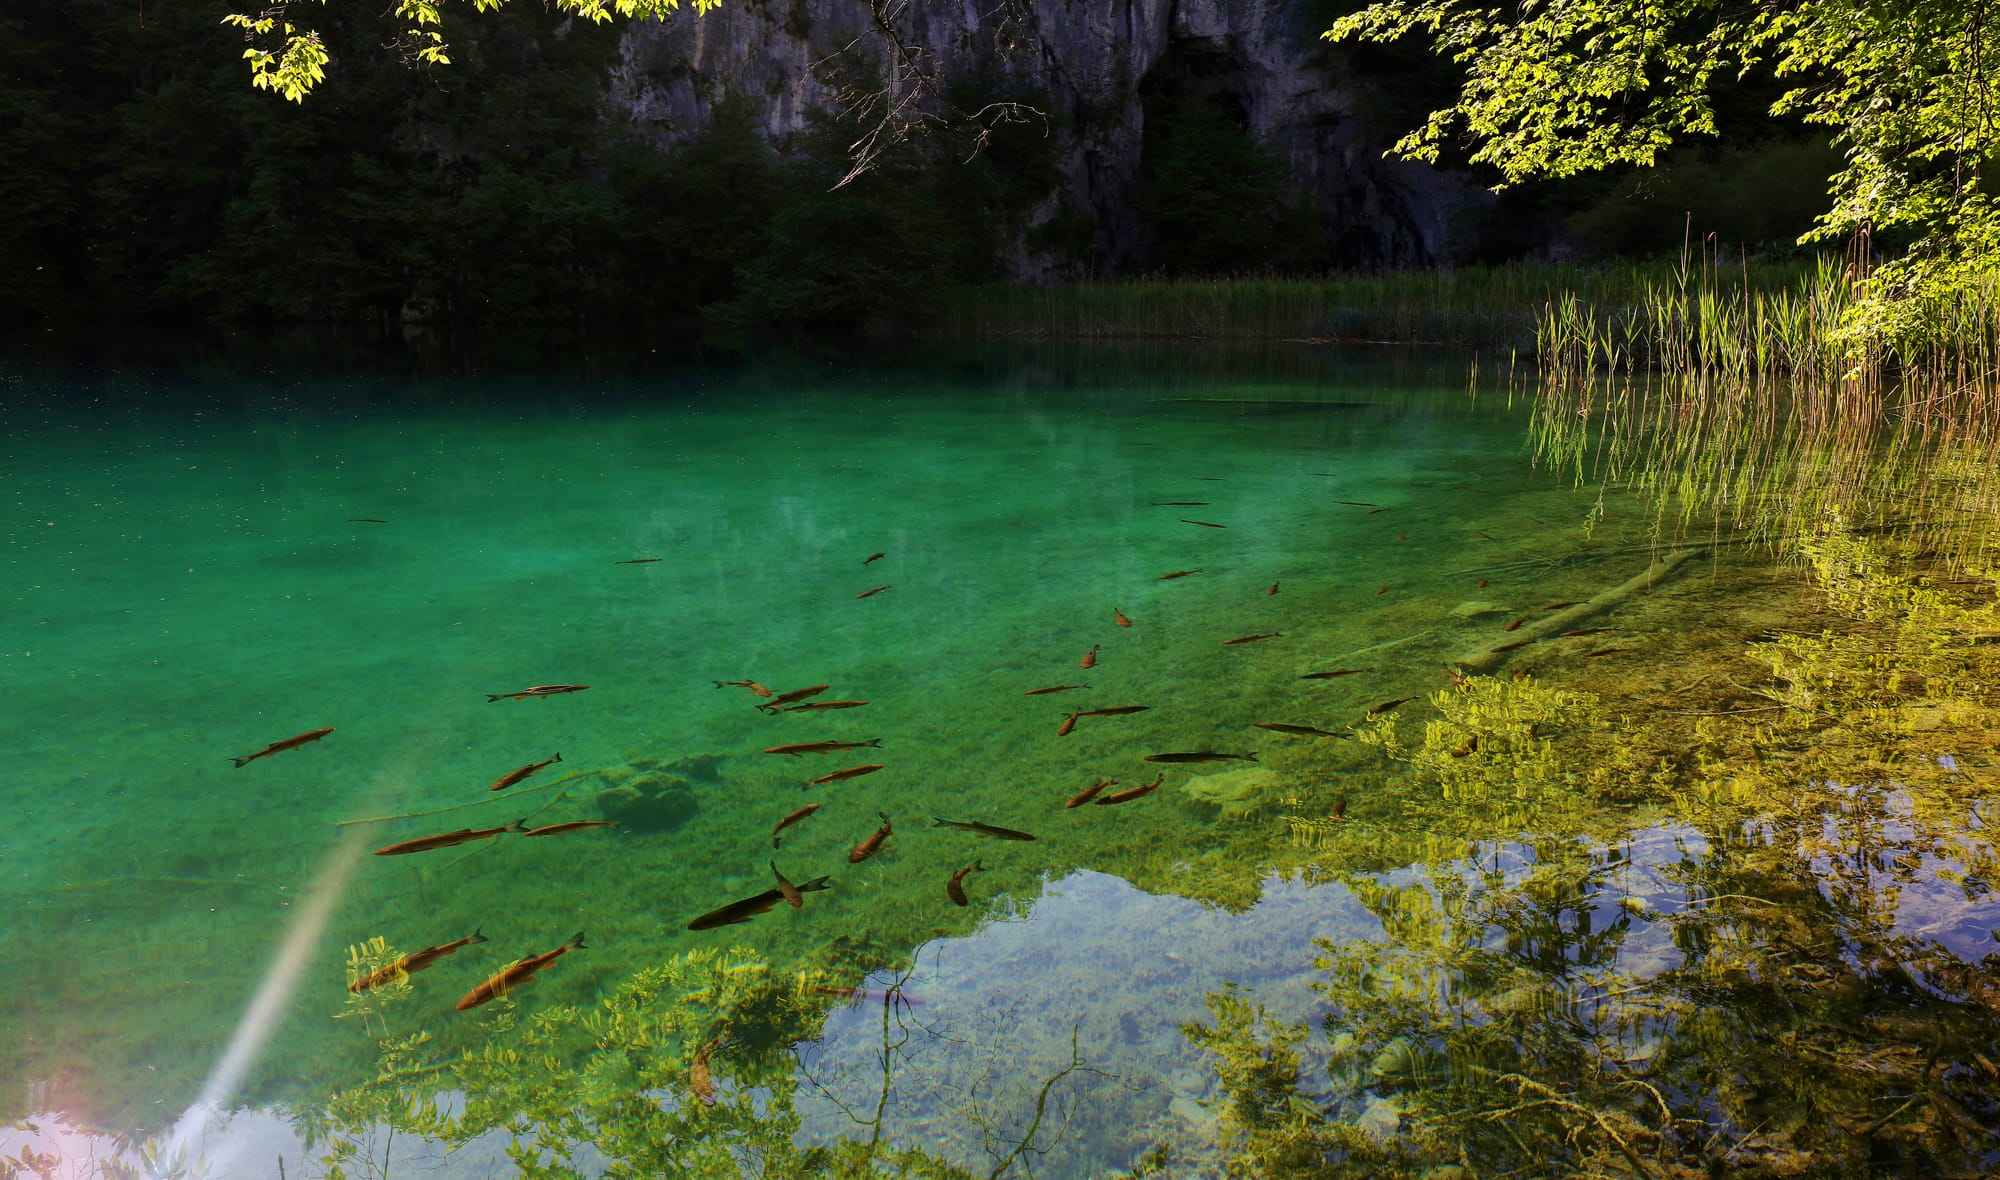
(1373, 511)
(290, 743)
(1605, 651)
(1089, 659)
(1401, 537)
(636, 561)
(1482, 584)
(797, 748)
(1357, 503)
(1090, 792)
(1477, 533)
(1300, 730)
(841, 776)
(515, 776)
(1118, 617)
(575, 825)
(787, 890)
(1272, 590)
(1381, 592)
(1176, 574)
(699, 1079)
(1385, 706)
(1180, 503)
(1339, 811)
(1518, 643)
(747, 908)
(872, 558)
(365, 520)
(540, 690)
(1457, 678)
(797, 694)
(954, 889)
(871, 593)
(509, 978)
(449, 839)
(1559, 605)
(1588, 631)
(1035, 692)
(1537, 520)
(1514, 624)
(1114, 711)
(872, 844)
(811, 705)
(1333, 674)
(1207, 524)
(1209, 478)
(1201, 756)
(1068, 724)
(1467, 746)
(412, 962)
(1251, 638)
(973, 825)
(1131, 793)
(752, 685)
(793, 818)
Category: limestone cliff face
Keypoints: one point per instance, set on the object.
(1091, 65)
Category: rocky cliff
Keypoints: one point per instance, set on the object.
(1095, 67)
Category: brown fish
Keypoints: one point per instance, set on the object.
(365, 520)
(1272, 590)
(747, 908)
(575, 825)
(509, 978)
(809, 706)
(1373, 511)
(841, 776)
(1300, 730)
(636, 561)
(1518, 643)
(540, 690)
(1118, 617)
(1477, 533)
(412, 962)
(1559, 605)
(1588, 631)
(1251, 638)
(1385, 706)
(797, 748)
(1514, 624)
(872, 844)
(1035, 692)
(1200, 756)
(1180, 503)
(752, 685)
(1339, 809)
(1068, 724)
(1605, 651)
(871, 593)
(954, 889)
(977, 828)
(1467, 746)
(787, 890)
(1177, 574)
(1131, 793)
(515, 776)
(1089, 659)
(1381, 592)
(449, 839)
(290, 743)
(797, 694)
(1114, 711)
(791, 819)
(699, 1079)
(1207, 524)
(1357, 503)
(872, 558)
(1090, 792)
(1335, 674)
(1481, 585)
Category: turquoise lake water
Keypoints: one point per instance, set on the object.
(197, 568)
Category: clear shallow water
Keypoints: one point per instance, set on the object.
(187, 585)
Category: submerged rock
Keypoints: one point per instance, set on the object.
(648, 801)
(1234, 792)
(1476, 610)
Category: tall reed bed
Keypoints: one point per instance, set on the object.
(1481, 306)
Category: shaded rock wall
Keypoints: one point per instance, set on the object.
(1090, 65)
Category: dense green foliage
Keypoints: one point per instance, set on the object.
(1580, 85)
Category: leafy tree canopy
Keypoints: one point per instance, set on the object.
(1562, 87)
